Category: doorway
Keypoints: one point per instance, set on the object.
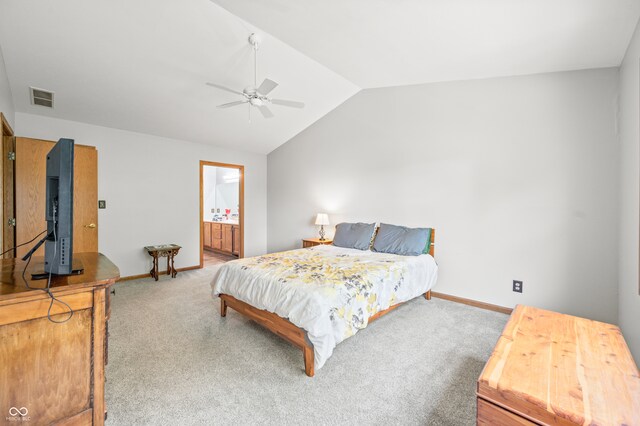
(221, 213)
(7, 211)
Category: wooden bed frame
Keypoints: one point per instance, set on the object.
(288, 331)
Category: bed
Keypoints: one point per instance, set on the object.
(317, 297)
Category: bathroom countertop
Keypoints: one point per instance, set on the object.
(226, 222)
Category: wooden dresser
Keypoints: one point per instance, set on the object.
(54, 373)
(553, 369)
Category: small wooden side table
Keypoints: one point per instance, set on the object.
(169, 251)
(310, 242)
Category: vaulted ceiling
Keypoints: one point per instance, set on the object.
(377, 43)
(142, 66)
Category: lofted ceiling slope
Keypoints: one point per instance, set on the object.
(379, 43)
(142, 66)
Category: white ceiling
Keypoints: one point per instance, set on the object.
(376, 43)
(142, 66)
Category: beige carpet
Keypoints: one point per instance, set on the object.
(174, 360)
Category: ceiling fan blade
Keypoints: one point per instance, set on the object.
(226, 89)
(230, 104)
(282, 102)
(267, 86)
(266, 112)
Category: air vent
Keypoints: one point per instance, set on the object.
(41, 97)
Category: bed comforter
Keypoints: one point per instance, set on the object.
(330, 292)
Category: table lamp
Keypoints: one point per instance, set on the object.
(322, 219)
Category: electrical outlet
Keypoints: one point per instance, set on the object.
(517, 286)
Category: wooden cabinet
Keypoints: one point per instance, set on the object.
(216, 236)
(207, 235)
(227, 238)
(551, 368)
(236, 240)
(222, 237)
(56, 371)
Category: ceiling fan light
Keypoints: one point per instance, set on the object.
(256, 102)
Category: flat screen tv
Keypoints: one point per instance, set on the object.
(58, 241)
(58, 247)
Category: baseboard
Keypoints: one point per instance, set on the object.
(136, 277)
(471, 302)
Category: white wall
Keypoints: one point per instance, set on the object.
(518, 175)
(629, 316)
(6, 100)
(151, 186)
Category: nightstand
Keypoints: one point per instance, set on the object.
(310, 242)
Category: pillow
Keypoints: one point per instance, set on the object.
(401, 240)
(353, 235)
(428, 246)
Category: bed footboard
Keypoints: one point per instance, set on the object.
(275, 323)
(283, 327)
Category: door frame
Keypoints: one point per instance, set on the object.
(7, 204)
(240, 202)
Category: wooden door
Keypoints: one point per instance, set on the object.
(207, 235)
(216, 243)
(216, 236)
(236, 240)
(7, 211)
(30, 174)
(227, 238)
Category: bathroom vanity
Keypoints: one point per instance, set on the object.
(223, 237)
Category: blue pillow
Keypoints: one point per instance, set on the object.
(354, 235)
(401, 240)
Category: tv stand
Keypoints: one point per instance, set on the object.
(55, 371)
(39, 274)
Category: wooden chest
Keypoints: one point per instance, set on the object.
(553, 369)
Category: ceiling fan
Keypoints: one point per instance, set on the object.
(257, 95)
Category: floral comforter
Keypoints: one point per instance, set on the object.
(329, 291)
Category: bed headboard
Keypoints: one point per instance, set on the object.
(432, 245)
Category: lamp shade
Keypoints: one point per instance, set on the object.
(322, 219)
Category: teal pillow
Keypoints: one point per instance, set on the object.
(428, 246)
